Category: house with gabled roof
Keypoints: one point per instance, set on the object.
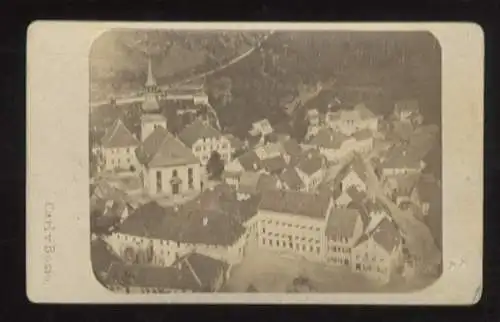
(408, 111)
(378, 253)
(169, 167)
(118, 147)
(311, 168)
(291, 180)
(190, 273)
(214, 224)
(350, 120)
(400, 161)
(203, 139)
(343, 228)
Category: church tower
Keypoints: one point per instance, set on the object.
(150, 103)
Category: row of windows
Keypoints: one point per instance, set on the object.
(118, 161)
(340, 249)
(290, 237)
(117, 151)
(284, 224)
(367, 258)
(290, 245)
(223, 146)
(338, 261)
(369, 268)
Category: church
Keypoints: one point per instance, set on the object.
(168, 166)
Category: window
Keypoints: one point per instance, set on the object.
(311, 248)
(358, 267)
(174, 173)
(270, 242)
(158, 181)
(290, 245)
(263, 241)
(190, 178)
(197, 148)
(263, 230)
(303, 247)
(317, 250)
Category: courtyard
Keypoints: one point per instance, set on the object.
(273, 272)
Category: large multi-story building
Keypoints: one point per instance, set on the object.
(203, 139)
(118, 148)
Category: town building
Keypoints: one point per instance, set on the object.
(190, 273)
(118, 148)
(168, 166)
(213, 224)
(408, 111)
(378, 254)
(291, 180)
(311, 168)
(343, 229)
(337, 147)
(203, 139)
(293, 222)
(399, 161)
(349, 121)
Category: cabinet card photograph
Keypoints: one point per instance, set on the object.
(254, 163)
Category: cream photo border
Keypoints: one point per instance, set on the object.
(57, 231)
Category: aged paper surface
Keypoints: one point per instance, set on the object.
(255, 163)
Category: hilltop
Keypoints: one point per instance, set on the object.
(118, 58)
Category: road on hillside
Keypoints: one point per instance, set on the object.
(136, 97)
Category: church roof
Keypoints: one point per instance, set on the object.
(119, 137)
(162, 149)
(197, 130)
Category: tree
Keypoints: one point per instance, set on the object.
(215, 166)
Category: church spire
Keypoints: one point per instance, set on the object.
(150, 103)
(151, 82)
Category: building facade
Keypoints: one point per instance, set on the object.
(118, 148)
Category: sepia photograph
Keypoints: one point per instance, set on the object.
(264, 163)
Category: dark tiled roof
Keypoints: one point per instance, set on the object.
(292, 147)
(266, 182)
(387, 235)
(221, 211)
(294, 202)
(248, 160)
(197, 130)
(398, 158)
(119, 137)
(328, 139)
(248, 182)
(163, 149)
(356, 166)
(146, 276)
(151, 144)
(292, 179)
(274, 165)
(342, 222)
(310, 162)
(205, 269)
(102, 256)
